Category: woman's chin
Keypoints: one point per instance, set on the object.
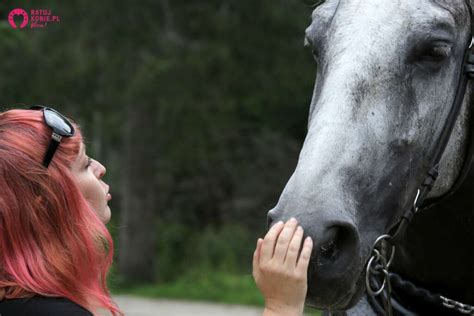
(106, 215)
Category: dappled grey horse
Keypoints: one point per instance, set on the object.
(389, 73)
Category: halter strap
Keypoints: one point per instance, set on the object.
(466, 73)
(384, 290)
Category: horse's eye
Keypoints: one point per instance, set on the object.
(438, 52)
(433, 53)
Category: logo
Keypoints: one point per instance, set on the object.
(39, 18)
(21, 12)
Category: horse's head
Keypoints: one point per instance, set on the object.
(386, 78)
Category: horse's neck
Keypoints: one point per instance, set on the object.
(438, 249)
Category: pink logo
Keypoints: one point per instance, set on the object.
(15, 12)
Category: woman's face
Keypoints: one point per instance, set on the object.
(88, 174)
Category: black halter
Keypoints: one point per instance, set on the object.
(378, 275)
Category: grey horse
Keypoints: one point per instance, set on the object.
(387, 75)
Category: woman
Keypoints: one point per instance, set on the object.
(55, 249)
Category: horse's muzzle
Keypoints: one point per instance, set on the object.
(335, 261)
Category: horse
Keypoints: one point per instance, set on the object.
(384, 147)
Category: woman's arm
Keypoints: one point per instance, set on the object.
(280, 271)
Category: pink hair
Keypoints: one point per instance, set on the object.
(52, 243)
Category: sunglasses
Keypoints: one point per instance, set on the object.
(61, 127)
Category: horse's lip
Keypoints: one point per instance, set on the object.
(342, 302)
(354, 292)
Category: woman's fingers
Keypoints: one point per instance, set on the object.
(268, 245)
(305, 256)
(284, 240)
(256, 254)
(294, 248)
(280, 271)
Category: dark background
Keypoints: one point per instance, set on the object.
(197, 108)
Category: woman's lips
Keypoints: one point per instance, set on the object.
(108, 197)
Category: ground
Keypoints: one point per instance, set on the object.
(136, 306)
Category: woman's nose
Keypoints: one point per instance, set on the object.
(100, 170)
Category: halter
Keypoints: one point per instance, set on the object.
(378, 278)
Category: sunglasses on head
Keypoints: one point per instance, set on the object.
(61, 127)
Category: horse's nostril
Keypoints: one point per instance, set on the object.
(329, 248)
(337, 246)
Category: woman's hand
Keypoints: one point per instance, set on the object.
(280, 271)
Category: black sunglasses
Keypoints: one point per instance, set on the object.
(61, 128)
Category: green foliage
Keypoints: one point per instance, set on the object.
(203, 285)
(180, 250)
(218, 91)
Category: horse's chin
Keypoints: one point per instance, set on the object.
(348, 298)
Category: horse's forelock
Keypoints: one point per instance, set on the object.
(458, 8)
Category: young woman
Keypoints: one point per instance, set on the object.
(55, 250)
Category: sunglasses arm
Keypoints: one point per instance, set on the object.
(53, 145)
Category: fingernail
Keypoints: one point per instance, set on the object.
(293, 220)
(300, 228)
(309, 239)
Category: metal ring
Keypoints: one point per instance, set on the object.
(392, 255)
(381, 238)
(367, 280)
(376, 257)
(376, 253)
(418, 192)
(387, 237)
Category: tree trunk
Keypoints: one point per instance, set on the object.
(136, 260)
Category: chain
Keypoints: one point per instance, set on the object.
(457, 306)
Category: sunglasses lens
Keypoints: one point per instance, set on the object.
(58, 123)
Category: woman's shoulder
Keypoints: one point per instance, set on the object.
(41, 306)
